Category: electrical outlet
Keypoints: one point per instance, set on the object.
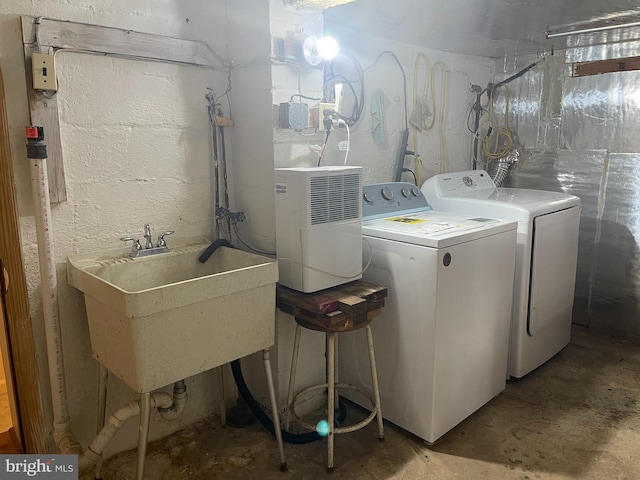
(343, 146)
(329, 107)
(44, 73)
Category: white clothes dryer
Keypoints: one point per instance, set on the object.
(546, 259)
(441, 341)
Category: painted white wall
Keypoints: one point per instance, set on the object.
(136, 150)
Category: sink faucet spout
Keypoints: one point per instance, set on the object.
(147, 235)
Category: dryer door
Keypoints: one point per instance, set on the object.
(553, 270)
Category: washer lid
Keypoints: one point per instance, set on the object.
(434, 229)
(473, 192)
(508, 203)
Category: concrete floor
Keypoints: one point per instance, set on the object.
(576, 417)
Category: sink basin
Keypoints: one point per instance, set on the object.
(158, 319)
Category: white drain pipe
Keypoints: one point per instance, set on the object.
(36, 150)
(116, 420)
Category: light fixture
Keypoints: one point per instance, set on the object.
(574, 29)
(317, 51)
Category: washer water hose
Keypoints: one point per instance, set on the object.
(254, 406)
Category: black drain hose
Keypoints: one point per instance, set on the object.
(256, 409)
(221, 242)
(254, 406)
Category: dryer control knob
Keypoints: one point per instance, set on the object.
(387, 193)
(367, 197)
(405, 192)
(468, 181)
(415, 192)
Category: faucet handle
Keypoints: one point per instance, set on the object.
(161, 242)
(136, 244)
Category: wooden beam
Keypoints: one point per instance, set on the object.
(18, 321)
(117, 41)
(584, 69)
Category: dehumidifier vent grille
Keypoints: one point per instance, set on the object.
(334, 198)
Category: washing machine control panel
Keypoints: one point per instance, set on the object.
(455, 183)
(390, 198)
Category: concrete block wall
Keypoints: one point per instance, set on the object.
(136, 147)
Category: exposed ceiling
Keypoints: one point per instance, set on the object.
(492, 28)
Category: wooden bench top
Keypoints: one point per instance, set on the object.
(338, 309)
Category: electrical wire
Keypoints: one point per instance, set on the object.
(441, 115)
(311, 134)
(248, 245)
(518, 74)
(326, 139)
(331, 79)
(349, 277)
(415, 179)
(303, 96)
(404, 80)
(346, 153)
(227, 90)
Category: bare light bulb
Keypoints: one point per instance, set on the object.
(327, 48)
(317, 51)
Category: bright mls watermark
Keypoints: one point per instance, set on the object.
(51, 467)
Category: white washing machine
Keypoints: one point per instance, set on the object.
(441, 341)
(546, 258)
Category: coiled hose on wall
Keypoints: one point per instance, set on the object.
(254, 406)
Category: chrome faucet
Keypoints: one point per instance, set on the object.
(147, 235)
(149, 249)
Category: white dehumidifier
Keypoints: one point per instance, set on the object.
(318, 226)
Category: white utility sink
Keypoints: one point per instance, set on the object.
(159, 319)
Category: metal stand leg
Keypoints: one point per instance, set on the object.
(143, 434)
(331, 394)
(374, 382)
(222, 406)
(336, 362)
(292, 377)
(266, 356)
(102, 410)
